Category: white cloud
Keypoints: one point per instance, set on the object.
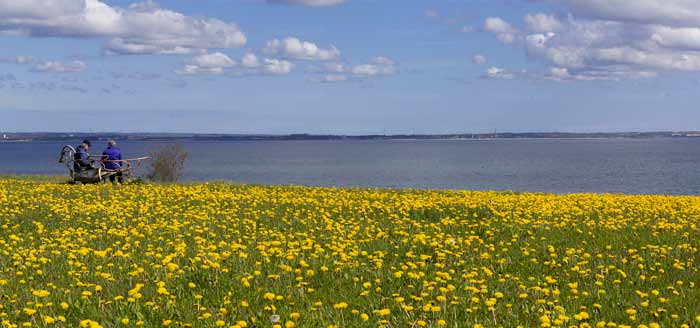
(542, 23)
(221, 64)
(60, 67)
(677, 38)
(339, 72)
(479, 60)
(215, 59)
(498, 25)
(312, 3)
(377, 66)
(610, 40)
(614, 73)
(333, 67)
(250, 60)
(496, 73)
(142, 28)
(144, 6)
(558, 74)
(40, 9)
(277, 66)
(503, 30)
(297, 49)
(214, 63)
(506, 38)
(171, 32)
(187, 69)
(663, 12)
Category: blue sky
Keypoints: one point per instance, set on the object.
(349, 67)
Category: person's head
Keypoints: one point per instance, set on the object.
(111, 143)
(86, 144)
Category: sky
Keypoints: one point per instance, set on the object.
(349, 66)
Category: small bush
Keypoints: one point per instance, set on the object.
(167, 163)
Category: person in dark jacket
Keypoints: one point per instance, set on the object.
(81, 159)
(112, 157)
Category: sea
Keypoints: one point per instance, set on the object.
(629, 166)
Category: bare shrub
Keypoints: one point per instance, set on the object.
(167, 163)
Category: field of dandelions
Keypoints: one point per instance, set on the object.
(223, 255)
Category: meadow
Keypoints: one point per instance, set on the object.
(223, 255)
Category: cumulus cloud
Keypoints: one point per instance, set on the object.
(213, 63)
(339, 72)
(496, 73)
(215, 59)
(250, 60)
(142, 28)
(218, 63)
(503, 30)
(557, 73)
(296, 49)
(687, 38)
(498, 25)
(252, 65)
(311, 3)
(376, 67)
(609, 39)
(73, 66)
(542, 23)
(479, 60)
(277, 66)
(334, 67)
(144, 6)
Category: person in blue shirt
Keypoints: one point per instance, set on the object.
(81, 159)
(112, 157)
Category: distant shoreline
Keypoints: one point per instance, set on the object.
(56, 136)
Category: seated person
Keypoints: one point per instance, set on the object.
(112, 157)
(81, 159)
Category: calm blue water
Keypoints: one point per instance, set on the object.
(659, 166)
